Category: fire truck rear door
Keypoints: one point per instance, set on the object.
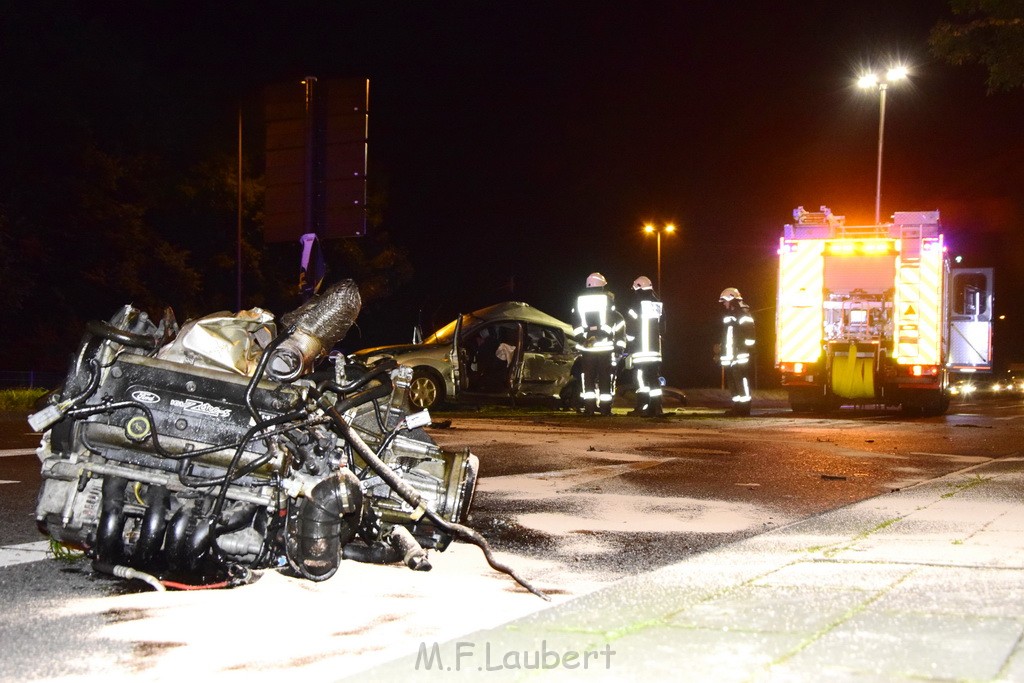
(970, 315)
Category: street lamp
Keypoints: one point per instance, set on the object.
(668, 227)
(881, 81)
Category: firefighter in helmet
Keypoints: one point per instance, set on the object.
(736, 347)
(643, 327)
(599, 330)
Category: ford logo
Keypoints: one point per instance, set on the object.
(143, 396)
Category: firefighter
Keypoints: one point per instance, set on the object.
(600, 333)
(736, 347)
(644, 334)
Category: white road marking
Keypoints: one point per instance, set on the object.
(21, 553)
(11, 452)
(954, 456)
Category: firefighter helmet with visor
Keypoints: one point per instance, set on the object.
(730, 293)
(596, 280)
(642, 282)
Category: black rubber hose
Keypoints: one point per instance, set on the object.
(470, 536)
(107, 331)
(372, 394)
(249, 435)
(236, 518)
(390, 477)
(384, 366)
(412, 553)
(328, 520)
(378, 553)
(412, 497)
(261, 366)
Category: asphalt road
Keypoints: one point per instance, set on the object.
(573, 503)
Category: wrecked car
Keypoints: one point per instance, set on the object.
(510, 351)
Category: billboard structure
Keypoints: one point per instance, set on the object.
(316, 143)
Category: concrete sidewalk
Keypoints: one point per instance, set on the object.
(922, 584)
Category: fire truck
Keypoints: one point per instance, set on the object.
(874, 314)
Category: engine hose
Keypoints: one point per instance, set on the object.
(237, 518)
(412, 497)
(400, 545)
(261, 367)
(249, 436)
(111, 522)
(390, 477)
(90, 389)
(107, 331)
(412, 553)
(384, 366)
(470, 536)
(372, 394)
(122, 572)
(378, 553)
(327, 521)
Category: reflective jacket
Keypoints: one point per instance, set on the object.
(599, 327)
(644, 326)
(737, 334)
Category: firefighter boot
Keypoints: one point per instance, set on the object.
(740, 409)
(655, 408)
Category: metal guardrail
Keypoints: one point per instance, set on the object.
(30, 379)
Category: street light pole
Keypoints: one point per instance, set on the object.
(657, 232)
(659, 263)
(871, 80)
(882, 88)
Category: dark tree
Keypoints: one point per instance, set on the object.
(989, 33)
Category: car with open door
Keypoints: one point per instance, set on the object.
(506, 353)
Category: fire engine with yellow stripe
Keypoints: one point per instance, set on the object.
(874, 314)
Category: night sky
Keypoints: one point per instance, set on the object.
(522, 145)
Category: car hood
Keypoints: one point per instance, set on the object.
(393, 349)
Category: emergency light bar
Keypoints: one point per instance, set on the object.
(861, 248)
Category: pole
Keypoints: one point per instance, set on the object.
(882, 87)
(659, 263)
(238, 241)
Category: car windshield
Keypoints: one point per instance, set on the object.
(444, 335)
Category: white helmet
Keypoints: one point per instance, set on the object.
(596, 280)
(642, 282)
(730, 293)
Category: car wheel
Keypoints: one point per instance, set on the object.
(426, 390)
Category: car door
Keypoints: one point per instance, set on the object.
(545, 364)
(456, 355)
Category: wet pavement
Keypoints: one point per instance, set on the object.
(926, 583)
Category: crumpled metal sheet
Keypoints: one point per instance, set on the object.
(223, 341)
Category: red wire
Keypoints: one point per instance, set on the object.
(189, 587)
